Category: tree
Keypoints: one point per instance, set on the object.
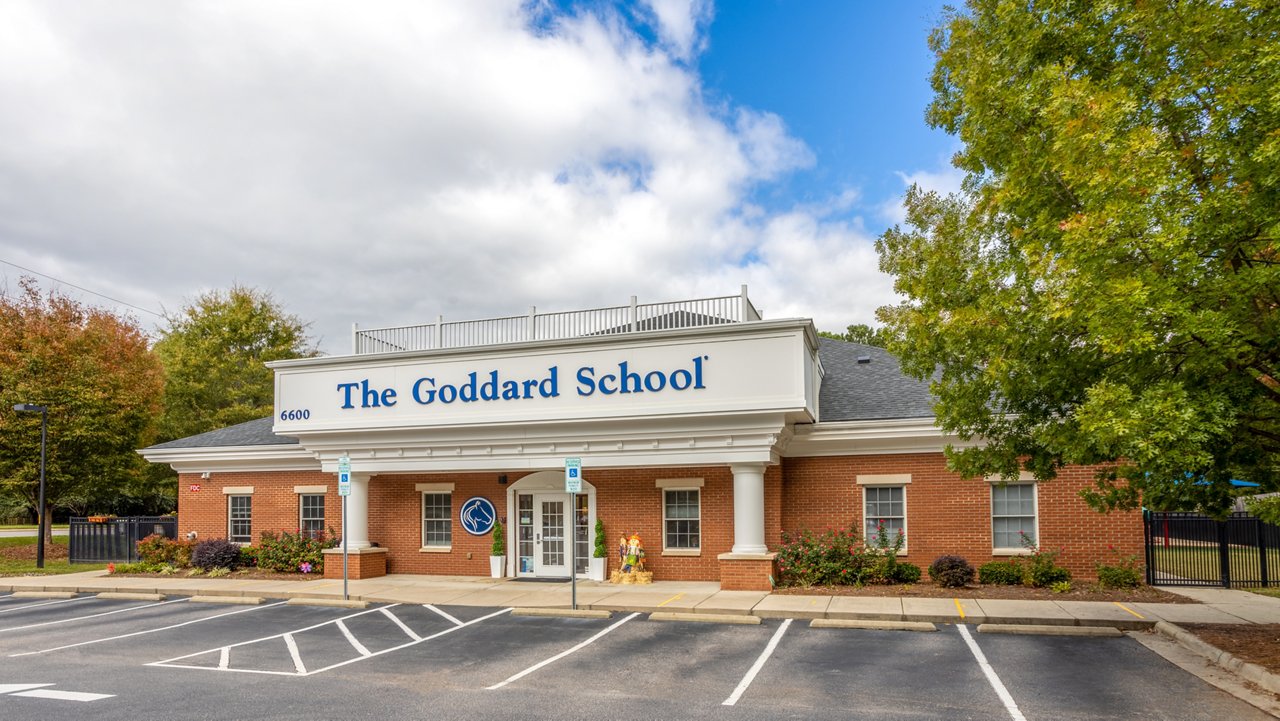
(861, 333)
(1105, 289)
(214, 353)
(102, 385)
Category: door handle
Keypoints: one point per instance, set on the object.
(537, 538)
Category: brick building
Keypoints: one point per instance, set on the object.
(701, 427)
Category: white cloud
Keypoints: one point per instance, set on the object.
(389, 163)
(944, 179)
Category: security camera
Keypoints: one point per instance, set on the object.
(205, 475)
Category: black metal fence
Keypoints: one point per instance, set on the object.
(115, 539)
(1189, 549)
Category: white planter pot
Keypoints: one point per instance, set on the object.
(595, 571)
(497, 566)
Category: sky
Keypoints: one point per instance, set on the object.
(386, 163)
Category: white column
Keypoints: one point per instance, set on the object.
(748, 508)
(358, 512)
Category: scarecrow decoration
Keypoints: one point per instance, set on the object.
(631, 562)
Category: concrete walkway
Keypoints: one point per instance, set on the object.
(1216, 605)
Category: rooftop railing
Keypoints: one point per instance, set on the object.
(632, 318)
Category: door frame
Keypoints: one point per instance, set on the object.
(543, 481)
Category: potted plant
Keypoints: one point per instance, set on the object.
(598, 555)
(498, 553)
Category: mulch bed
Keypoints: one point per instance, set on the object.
(244, 574)
(52, 552)
(1142, 594)
(1254, 642)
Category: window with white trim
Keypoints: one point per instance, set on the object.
(240, 519)
(682, 518)
(1013, 513)
(884, 506)
(311, 515)
(437, 519)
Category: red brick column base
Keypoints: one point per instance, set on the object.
(361, 563)
(747, 571)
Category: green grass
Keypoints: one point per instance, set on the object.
(23, 567)
(28, 527)
(1273, 592)
(1202, 560)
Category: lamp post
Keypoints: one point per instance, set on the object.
(44, 423)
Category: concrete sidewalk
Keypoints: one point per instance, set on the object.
(1216, 605)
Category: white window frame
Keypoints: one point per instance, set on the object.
(1024, 479)
(887, 480)
(231, 519)
(680, 484)
(434, 489)
(324, 508)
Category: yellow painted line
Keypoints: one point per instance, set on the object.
(676, 597)
(1130, 610)
(959, 607)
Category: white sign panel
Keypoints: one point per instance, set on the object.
(573, 475)
(763, 372)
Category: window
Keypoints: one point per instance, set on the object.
(240, 519)
(311, 516)
(1013, 513)
(681, 514)
(437, 519)
(884, 506)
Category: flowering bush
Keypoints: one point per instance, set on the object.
(287, 552)
(836, 558)
(1124, 572)
(160, 549)
(1041, 569)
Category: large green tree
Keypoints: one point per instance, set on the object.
(1106, 287)
(861, 333)
(214, 351)
(102, 386)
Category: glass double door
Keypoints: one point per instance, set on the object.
(543, 527)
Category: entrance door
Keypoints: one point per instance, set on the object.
(550, 522)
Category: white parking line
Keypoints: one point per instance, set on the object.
(143, 633)
(92, 615)
(45, 603)
(15, 687)
(63, 695)
(396, 620)
(990, 673)
(429, 607)
(359, 647)
(224, 658)
(293, 653)
(560, 655)
(759, 664)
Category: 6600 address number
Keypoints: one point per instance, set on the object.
(295, 415)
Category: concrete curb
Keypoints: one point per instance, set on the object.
(1248, 671)
(740, 619)
(873, 625)
(122, 596)
(1030, 629)
(562, 612)
(242, 600)
(329, 602)
(44, 594)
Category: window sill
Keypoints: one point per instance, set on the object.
(682, 552)
(436, 549)
(1010, 552)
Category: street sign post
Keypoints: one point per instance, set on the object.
(573, 486)
(344, 490)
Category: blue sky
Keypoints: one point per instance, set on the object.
(388, 163)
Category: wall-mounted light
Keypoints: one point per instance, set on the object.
(205, 475)
(502, 480)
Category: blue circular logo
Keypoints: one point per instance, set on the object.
(477, 516)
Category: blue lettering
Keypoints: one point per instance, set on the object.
(630, 381)
(677, 384)
(697, 371)
(346, 389)
(510, 391)
(448, 393)
(606, 389)
(655, 386)
(431, 394)
(467, 393)
(489, 391)
(369, 396)
(586, 380)
(550, 386)
(389, 397)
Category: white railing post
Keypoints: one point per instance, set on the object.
(355, 338)
(744, 305)
(533, 323)
(633, 314)
(439, 332)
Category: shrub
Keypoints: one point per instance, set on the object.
(1000, 573)
(219, 571)
(907, 573)
(215, 553)
(160, 549)
(600, 550)
(1061, 587)
(286, 552)
(951, 571)
(1042, 569)
(1126, 572)
(139, 567)
(808, 559)
(499, 547)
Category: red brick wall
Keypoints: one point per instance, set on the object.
(949, 515)
(275, 505)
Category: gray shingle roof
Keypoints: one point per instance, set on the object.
(252, 433)
(853, 391)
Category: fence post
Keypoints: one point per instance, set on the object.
(1262, 550)
(1224, 554)
(1147, 520)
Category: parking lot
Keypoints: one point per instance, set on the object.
(178, 659)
